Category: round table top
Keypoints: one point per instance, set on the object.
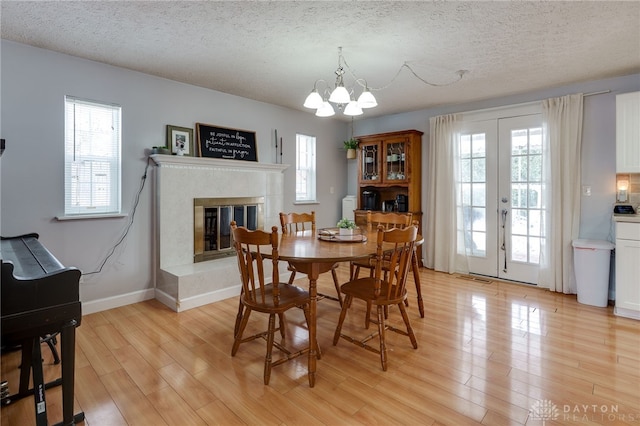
(307, 247)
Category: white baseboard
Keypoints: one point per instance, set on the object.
(99, 305)
(628, 313)
(196, 301)
(117, 301)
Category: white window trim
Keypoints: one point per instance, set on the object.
(311, 190)
(110, 159)
(91, 216)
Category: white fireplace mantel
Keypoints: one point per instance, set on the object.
(212, 163)
(180, 283)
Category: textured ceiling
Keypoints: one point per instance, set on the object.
(274, 51)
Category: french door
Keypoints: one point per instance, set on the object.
(500, 206)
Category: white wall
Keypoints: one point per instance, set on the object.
(34, 82)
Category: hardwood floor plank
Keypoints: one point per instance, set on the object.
(147, 378)
(187, 386)
(405, 414)
(184, 356)
(149, 349)
(499, 399)
(173, 409)
(325, 412)
(217, 414)
(136, 407)
(440, 392)
(98, 404)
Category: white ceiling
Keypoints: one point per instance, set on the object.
(273, 51)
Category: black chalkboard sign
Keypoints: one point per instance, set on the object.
(220, 142)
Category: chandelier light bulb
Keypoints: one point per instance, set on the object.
(326, 110)
(352, 108)
(366, 99)
(314, 100)
(340, 95)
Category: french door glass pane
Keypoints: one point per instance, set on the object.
(526, 197)
(534, 250)
(473, 192)
(479, 243)
(519, 222)
(518, 248)
(479, 194)
(479, 171)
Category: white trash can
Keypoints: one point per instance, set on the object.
(591, 259)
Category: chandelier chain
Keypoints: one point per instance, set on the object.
(359, 80)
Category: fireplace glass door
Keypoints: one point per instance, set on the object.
(212, 224)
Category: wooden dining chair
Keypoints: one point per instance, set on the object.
(388, 220)
(298, 222)
(255, 251)
(383, 292)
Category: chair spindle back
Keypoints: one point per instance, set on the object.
(395, 263)
(250, 246)
(297, 222)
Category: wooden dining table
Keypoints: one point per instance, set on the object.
(312, 256)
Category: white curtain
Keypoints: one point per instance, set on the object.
(562, 139)
(441, 222)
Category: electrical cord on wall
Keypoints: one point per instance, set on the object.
(126, 230)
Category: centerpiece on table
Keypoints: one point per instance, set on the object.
(346, 226)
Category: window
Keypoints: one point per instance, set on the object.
(91, 158)
(305, 168)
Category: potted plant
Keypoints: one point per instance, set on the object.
(351, 145)
(346, 226)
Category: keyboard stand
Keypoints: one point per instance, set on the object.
(31, 361)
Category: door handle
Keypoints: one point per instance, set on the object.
(504, 213)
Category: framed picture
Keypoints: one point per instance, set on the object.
(180, 140)
(230, 144)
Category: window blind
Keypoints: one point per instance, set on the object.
(305, 168)
(92, 157)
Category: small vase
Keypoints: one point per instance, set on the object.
(346, 231)
(351, 154)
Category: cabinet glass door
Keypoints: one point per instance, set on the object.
(395, 165)
(370, 166)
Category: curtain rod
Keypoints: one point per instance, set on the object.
(597, 93)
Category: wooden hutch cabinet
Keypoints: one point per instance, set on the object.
(389, 174)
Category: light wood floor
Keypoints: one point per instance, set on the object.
(488, 354)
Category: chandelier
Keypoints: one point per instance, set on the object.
(344, 98)
(340, 95)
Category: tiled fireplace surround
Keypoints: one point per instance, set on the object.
(182, 284)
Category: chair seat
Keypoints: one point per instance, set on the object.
(364, 289)
(367, 263)
(370, 263)
(290, 297)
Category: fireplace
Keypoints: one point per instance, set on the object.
(180, 282)
(211, 224)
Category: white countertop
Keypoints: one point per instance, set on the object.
(635, 218)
